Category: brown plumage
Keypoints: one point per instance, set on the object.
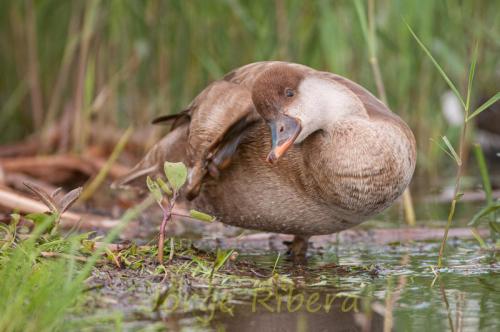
(338, 155)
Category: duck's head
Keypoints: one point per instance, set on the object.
(275, 92)
(295, 103)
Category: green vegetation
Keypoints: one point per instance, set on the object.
(85, 69)
(36, 292)
(43, 272)
(488, 213)
(123, 62)
(459, 158)
(165, 194)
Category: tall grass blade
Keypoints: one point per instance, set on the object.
(483, 213)
(443, 148)
(360, 11)
(436, 64)
(452, 151)
(101, 176)
(483, 170)
(472, 69)
(484, 106)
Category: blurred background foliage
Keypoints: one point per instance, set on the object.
(100, 66)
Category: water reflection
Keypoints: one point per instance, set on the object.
(340, 290)
(304, 311)
(403, 297)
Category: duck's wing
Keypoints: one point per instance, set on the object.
(219, 155)
(177, 119)
(220, 117)
(205, 136)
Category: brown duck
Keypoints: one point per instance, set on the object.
(281, 147)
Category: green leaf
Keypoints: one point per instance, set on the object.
(39, 218)
(472, 70)
(176, 174)
(443, 148)
(495, 226)
(154, 188)
(222, 257)
(482, 213)
(483, 170)
(201, 216)
(436, 64)
(166, 189)
(452, 150)
(45, 219)
(484, 106)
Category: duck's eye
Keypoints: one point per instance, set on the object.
(289, 92)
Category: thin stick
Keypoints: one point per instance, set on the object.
(161, 239)
(458, 179)
(460, 165)
(167, 215)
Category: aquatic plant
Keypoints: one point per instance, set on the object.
(166, 195)
(489, 213)
(468, 115)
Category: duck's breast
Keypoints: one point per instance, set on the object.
(363, 166)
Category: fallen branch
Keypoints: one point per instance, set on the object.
(35, 164)
(17, 202)
(16, 181)
(55, 163)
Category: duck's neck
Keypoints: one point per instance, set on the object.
(323, 104)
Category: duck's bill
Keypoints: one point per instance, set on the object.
(284, 130)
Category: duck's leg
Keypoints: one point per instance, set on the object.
(298, 249)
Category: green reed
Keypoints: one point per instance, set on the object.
(115, 63)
